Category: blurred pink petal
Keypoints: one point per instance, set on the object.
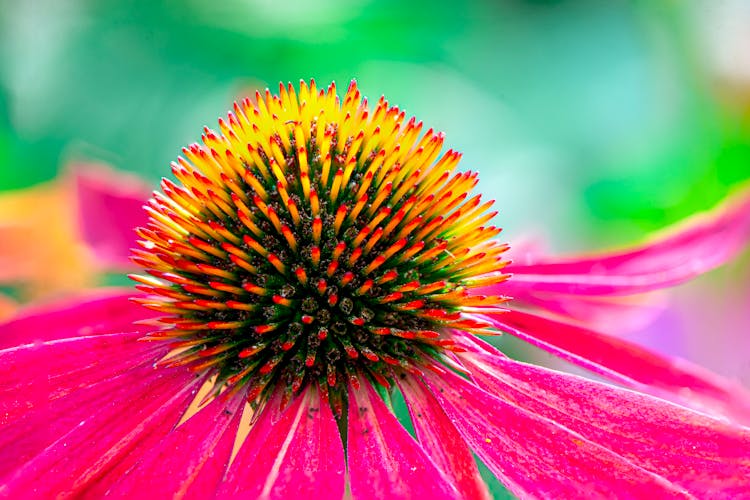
(40, 249)
(684, 251)
(629, 312)
(48, 232)
(684, 447)
(629, 364)
(110, 207)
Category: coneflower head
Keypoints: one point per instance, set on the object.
(311, 240)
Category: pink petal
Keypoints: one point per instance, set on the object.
(442, 442)
(294, 452)
(384, 460)
(630, 313)
(110, 207)
(693, 247)
(629, 364)
(93, 313)
(50, 385)
(110, 430)
(699, 453)
(534, 456)
(36, 375)
(31, 422)
(236, 479)
(188, 461)
(149, 433)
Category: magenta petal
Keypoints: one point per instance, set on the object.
(699, 453)
(110, 207)
(95, 313)
(695, 246)
(629, 312)
(191, 460)
(110, 430)
(31, 422)
(35, 376)
(148, 433)
(534, 456)
(384, 460)
(442, 442)
(290, 453)
(237, 479)
(630, 364)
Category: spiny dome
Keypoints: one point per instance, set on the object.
(315, 241)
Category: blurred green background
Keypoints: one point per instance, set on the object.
(591, 122)
(575, 112)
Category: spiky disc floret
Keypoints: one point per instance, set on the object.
(313, 240)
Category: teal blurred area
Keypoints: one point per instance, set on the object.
(576, 113)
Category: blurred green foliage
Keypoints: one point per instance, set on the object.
(604, 110)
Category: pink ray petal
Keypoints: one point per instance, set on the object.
(684, 251)
(144, 438)
(110, 207)
(442, 442)
(292, 453)
(109, 434)
(629, 364)
(535, 457)
(384, 460)
(27, 433)
(36, 375)
(629, 312)
(699, 453)
(92, 313)
(190, 460)
(236, 478)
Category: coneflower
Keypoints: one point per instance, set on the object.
(317, 242)
(314, 259)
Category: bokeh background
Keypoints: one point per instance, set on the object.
(592, 123)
